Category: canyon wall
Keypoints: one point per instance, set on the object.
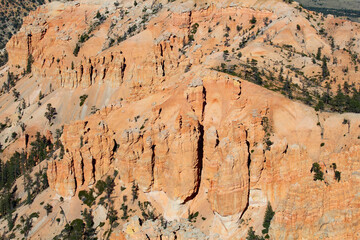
(193, 135)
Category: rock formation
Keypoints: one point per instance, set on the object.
(175, 119)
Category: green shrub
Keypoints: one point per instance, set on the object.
(16, 94)
(83, 99)
(194, 28)
(318, 174)
(83, 38)
(192, 216)
(191, 38)
(253, 20)
(87, 197)
(48, 209)
(98, 15)
(100, 186)
(13, 135)
(147, 210)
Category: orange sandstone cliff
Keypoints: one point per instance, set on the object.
(194, 139)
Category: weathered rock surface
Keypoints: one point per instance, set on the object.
(169, 148)
(158, 230)
(191, 137)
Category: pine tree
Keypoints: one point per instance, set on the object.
(134, 190)
(252, 236)
(325, 70)
(51, 113)
(27, 224)
(10, 221)
(44, 180)
(37, 183)
(28, 184)
(318, 54)
(30, 61)
(48, 209)
(319, 175)
(109, 187)
(269, 214)
(253, 20)
(90, 231)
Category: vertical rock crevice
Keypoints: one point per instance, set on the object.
(200, 149)
(91, 71)
(93, 169)
(248, 165)
(123, 67)
(81, 73)
(161, 51)
(204, 104)
(29, 43)
(163, 67)
(72, 167)
(82, 170)
(104, 74)
(152, 164)
(199, 165)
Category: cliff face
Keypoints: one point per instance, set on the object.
(165, 43)
(191, 137)
(13, 13)
(205, 142)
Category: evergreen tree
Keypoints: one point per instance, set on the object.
(320, 105)
(318, 54)
(10, 221)
(252, 236)
(253, 20)
(39, 150)
(79, 228)
(339, 100)
(37, 183)
(112, 216)
(109, 187)
(325, 70)
(51, 113)
(27, 224)
(7, 201)
(28, 185)
(346, 87)
(134, 191)
(90, 231)
(319, 175)
(48, 209)
(287, 88)
(30, 61)
(269, 214)
(16, 94)
(44, 180)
